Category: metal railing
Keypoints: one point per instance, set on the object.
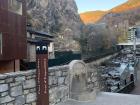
(127, 88)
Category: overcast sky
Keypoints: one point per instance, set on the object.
(91, 5)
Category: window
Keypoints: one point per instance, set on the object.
(15, 6)
(1, 43)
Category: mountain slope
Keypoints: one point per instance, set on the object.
(129, 5)
(123, 17)
(58, 17)
(95, 16)
(129, 11)
(92, 16)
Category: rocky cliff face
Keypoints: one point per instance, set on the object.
(59, 17)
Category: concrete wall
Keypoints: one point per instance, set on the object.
(31, 52)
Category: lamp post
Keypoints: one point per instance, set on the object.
(42, 73)
(133, 31)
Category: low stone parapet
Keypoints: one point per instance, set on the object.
(18, 88)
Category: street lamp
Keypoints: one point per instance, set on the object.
(133, 31)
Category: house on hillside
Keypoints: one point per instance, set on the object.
(34, 36)
(12, 34)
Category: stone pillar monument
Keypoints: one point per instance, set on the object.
(78, 76)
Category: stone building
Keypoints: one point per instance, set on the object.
(34, 36)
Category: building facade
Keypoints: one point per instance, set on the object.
(34, 36)
(12, 34)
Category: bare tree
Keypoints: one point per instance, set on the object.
(97, 38)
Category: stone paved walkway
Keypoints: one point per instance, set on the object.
(109, 99)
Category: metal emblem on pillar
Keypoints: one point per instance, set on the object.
(42, 73)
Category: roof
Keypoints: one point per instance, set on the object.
(39, 33)
(34, 41)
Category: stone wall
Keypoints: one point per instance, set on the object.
(99, 61)
(94, 74)
(58, 84)
(60, 79)
(18, 88)
(93, 78)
